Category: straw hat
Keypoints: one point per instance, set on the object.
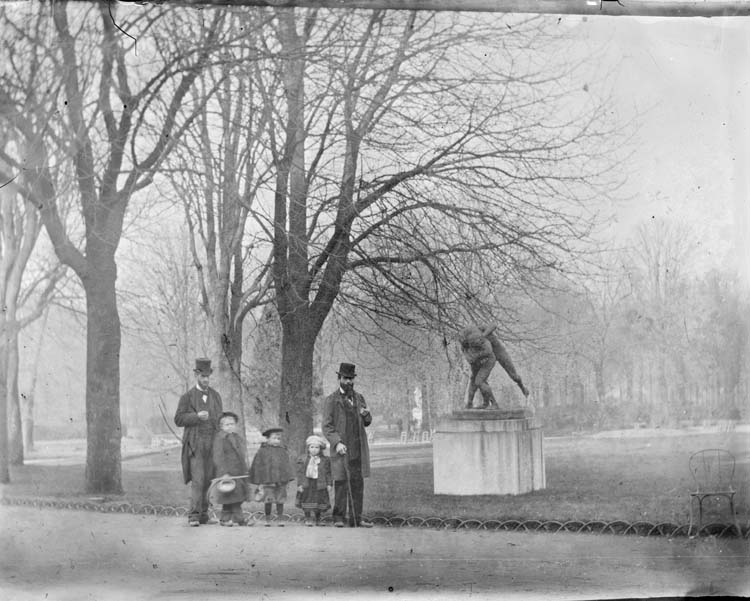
(268, 431)
(226, 485)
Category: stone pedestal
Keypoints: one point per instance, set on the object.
(488, 452)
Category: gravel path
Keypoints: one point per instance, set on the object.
(74, 555)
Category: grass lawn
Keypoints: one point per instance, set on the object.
(588, 478)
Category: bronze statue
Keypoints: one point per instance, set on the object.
(481, 348)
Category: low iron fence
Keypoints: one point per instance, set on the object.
(640, 528)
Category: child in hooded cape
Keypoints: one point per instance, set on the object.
(271, 471)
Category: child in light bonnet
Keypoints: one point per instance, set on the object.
(314, 482)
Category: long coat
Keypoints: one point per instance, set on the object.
(334, 429)
(230, 458)
(187, 417)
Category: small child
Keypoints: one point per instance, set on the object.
(314, 480)
(272, 471)
(230, 459)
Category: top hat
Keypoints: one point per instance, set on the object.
(267, 432)
(346, 370)
(203, 366)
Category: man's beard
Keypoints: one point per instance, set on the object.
(348, 389)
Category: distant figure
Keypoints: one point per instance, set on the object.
(272, 470)
(481, 348)
(198, 412)
(230, 459)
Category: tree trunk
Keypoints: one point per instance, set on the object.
(15, 437)
(599, 381)
(228, 374)
(295, 402)
(427, 390)
(27, 422)
(408, 402)
(4, 471)
(28, 398)
(629, 383)
(103, 428)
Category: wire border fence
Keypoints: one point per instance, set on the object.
(619, 527)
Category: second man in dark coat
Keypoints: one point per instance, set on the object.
(345, 417)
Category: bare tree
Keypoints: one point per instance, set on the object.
(87, 106)
(659, 263)
(26, 289)
(165, 312)
(405, 144)
(217, 171)
(29, 395)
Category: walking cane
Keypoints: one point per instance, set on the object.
(349, 495)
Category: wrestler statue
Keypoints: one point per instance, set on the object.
(481, 348)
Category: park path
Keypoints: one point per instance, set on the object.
(60, 555)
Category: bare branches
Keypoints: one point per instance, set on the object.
(453, 159)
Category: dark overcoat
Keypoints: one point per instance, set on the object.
(324, 471)
(187, 417)
(230, 458)
(334, 429)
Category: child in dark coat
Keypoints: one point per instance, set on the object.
(314, 482)
(230, 459)
(271, 470)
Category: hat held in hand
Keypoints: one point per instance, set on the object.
(346, 370)
(203, 366)
(226, 485)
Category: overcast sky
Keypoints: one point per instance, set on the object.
(690, 80)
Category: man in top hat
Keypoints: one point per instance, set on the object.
(345, 417)
(199, 411)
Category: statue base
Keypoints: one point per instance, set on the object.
(501, 413)
(488, 452)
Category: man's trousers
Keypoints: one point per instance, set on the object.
(340, 495)
(201, 472)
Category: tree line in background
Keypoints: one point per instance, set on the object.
(365, 181)
(646, 340)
